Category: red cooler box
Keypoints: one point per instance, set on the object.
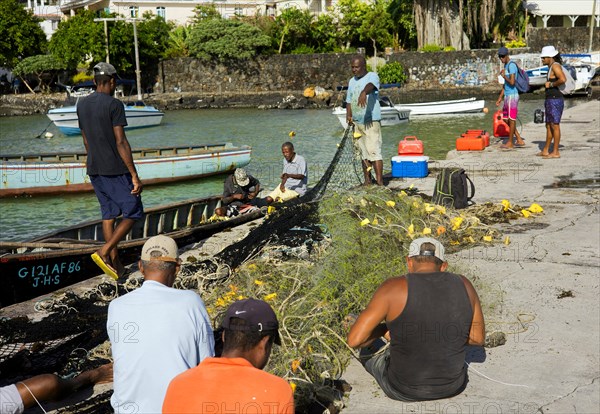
(410, 146)
(501, 128)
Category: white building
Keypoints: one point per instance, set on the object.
(48, 11)
(181, 11)
(566, 13)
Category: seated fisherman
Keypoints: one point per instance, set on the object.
(239, 189)
(294, 178)
(428, 333)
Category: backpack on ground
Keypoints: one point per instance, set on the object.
(521, 79)
(452, 188)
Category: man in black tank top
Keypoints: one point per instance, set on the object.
(428, 316)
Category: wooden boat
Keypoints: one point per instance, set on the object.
(66, 172)
(62, 258)
(138, 115)
(390, 115)
(456, 106)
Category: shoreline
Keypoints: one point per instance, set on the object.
(30, 104)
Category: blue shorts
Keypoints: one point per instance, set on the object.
(554, 108)
(114, 195)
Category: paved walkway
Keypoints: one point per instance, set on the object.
(552, 367)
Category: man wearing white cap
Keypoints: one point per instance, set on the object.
(156, 332)
(429, 316)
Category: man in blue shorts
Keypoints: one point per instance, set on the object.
(511, 99)
(110, 165)
(363, 110)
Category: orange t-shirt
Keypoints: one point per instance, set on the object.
(228, 385)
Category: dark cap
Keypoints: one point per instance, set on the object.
(104, 68)
(502, 51)
(259, 317)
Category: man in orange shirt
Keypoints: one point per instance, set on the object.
(235, 382)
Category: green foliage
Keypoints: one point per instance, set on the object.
(77, 39)
(225, 39)
(377, 25)
(350, 14)
(405, 33)
(513, 44)
(20, 33)
(392, 73)
(449, 49)
(204, 12)
(39, 66)
(303, 50)
(177, 46)
(293, 29)
(326, 37)
(431, 48)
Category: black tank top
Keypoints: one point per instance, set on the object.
(427, 349)
(553, 92)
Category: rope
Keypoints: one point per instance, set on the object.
(493, 380)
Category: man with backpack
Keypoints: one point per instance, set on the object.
(510, 94)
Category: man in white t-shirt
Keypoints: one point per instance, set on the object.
(294, 178)
(156, 332)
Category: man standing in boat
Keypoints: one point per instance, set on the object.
(510, 94)
(363, 110)
(110, 165)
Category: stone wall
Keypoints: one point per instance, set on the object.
(565, 39)
(295, 72)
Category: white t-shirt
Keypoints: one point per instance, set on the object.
(156, 332)
(296, 166)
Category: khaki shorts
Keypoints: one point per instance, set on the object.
(280, 196)
(10, 400)
(370, 141)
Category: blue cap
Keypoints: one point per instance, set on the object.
(502, 51)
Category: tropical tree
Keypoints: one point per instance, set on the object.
(404, 32)
(294, 29)
(205, 12)
(39, 66)
(325, 34)
(78, 40)
(225, 39)
(351, 14)
(20, 33)
(377, 25)
(177, 43)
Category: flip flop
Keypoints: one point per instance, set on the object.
(520, 145)
(539, 154)
(106, 268)
(549, 157)
(503, 148)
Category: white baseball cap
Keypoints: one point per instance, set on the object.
(416, 248)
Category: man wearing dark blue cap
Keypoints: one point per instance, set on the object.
(510, 94)
(110, 165)
(235, 382)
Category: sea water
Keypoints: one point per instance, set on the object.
(316, 134)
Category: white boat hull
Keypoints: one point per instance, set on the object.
(458, 106)
(67, 122)
(61, 173)
(389, 116)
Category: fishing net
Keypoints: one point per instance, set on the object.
(316, 260)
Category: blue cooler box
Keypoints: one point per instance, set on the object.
(409, 166)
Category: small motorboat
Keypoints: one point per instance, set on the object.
(138, 114)
(457, 106)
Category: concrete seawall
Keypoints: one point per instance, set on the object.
(550, 362)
